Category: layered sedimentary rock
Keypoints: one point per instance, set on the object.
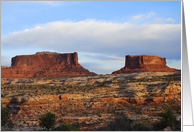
(144, 63)
(45, 58)
(44, 64)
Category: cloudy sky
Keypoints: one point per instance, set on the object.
(102, 32)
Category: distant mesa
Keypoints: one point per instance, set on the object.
(144, 63)
(44, 64)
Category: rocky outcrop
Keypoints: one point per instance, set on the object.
(41, 59)
(144, 63)
(141, 96)
(44, 64)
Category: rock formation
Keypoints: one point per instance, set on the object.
(141, 96)
(44, 64)
(144, 63)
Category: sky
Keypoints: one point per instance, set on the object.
(102, 32)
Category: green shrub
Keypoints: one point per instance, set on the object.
(47, 121)
(5, 119)
(141, 127)
(168, 119)
(58, 90)
(121, 123)
(64, 89)
(68, 127)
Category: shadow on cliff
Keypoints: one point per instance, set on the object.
(152, 88)
(152, 91)
(14, 105)
(131, 95)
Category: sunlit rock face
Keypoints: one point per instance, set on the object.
(144, 63)
(45, 58)
(44, 64)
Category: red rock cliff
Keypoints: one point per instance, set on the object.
(45, 58)
(144, 63)
(44, 64)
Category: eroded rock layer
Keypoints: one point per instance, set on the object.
(93, 101)
(144, 63)
(44, 64)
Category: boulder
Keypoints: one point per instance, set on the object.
(168, 128)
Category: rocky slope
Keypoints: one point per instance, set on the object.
(44, 64)
(91, 100)
(144, 63)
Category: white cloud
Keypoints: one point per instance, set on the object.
(53, 3)
(147, 15)
(137, 17)
(158, 20)
(162, 20)
(174, 63)
(170, 20)
(101, 63)
(5, 61)
(100, 37)
(103, 58)
(150, 14)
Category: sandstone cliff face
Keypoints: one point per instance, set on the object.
(144, 63)
(44, 64)
(45, 58)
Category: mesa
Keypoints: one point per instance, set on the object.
(51, 82)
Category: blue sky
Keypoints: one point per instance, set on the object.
(102, 32)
